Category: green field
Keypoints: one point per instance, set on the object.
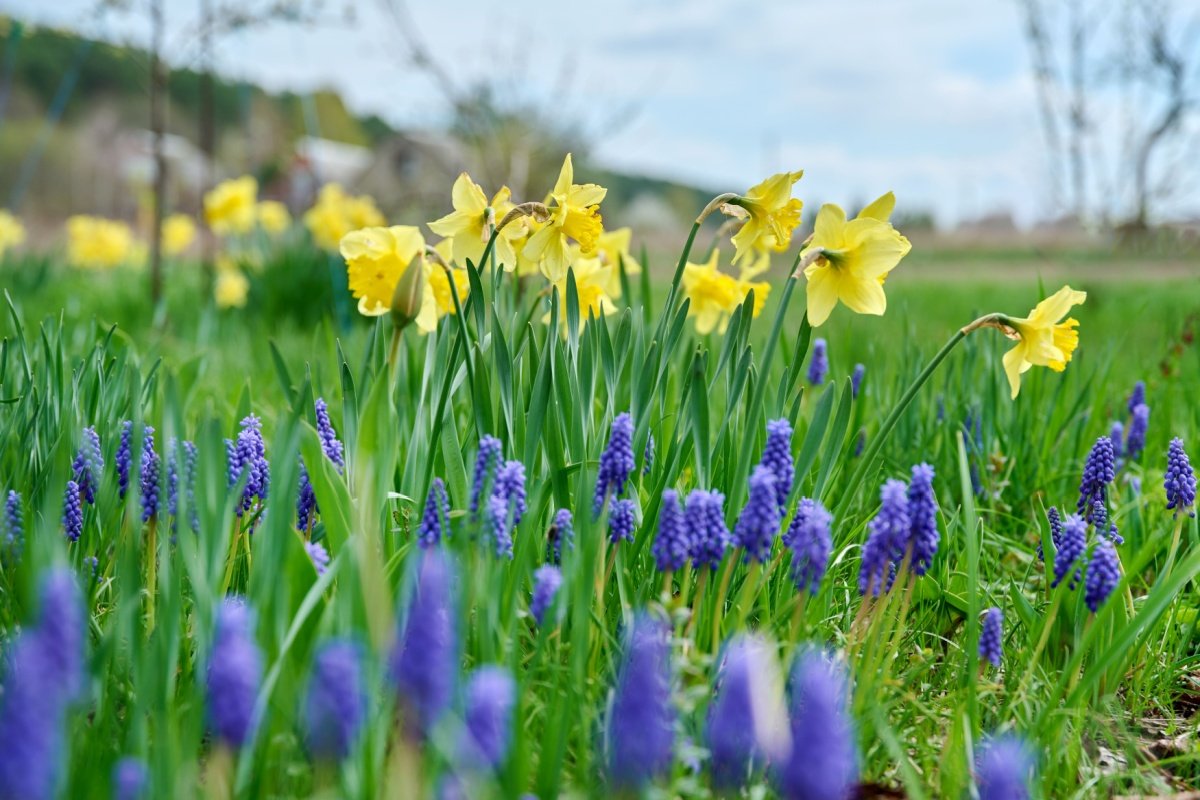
(1103, 698)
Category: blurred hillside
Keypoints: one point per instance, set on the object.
(75, 114)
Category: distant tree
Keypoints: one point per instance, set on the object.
(1118, 82)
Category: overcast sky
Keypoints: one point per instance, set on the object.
(931, 98)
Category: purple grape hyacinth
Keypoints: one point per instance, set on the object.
(423, 666)
(1068, 557)
(648, 454)
(888, 536)
(510, 485)
(1137, 397)
(1135, 438)
(1098, 472)
(435, 522)
(330, 445)
(318, 555)
(498, 526)
(1003, 769)
(181, 469)
(562, 530)
(1179, 479)
(247, 458)
(818, 365)
(810, 540)
(922, 515)
(130, 779)
(823, 761)
(235, 666)
(336, 705)
(62, 631)
(777, 457)
(616, 462)
(88, 465)
(149, 477)
(547, 579)
(124, 457)
(31, 721)
(991, 636)
(72, 516)
(671, 546)
(490, 696)
(306, 501)
(731, 726)
(856, 379)
(14, 521)
(1103, 574)
(641, 723)
(704, 517)
(1056, 529)
(759, 521)
(485, 465)
(621, 520)
(1117, 434)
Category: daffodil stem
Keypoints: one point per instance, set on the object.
(885, 430)
(673, 292)
(754, 410)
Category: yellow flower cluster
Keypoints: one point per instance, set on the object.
(229, 208)
(378, 258)
(336, 214)
(231, 287)
(12, 232)
(714, 295)
(565, 232)
(178, 233)
(98, 243)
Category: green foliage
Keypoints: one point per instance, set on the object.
(922, 702)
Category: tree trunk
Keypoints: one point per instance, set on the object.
(158, 123)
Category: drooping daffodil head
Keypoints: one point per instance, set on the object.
(1044, 338)
(851, 259)
(574, 214)
(772, 214)
(377, 259)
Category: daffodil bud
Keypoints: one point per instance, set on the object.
(536, 210)
(410, 291)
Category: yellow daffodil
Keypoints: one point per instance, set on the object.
(591, 281)
(852, 259)
(336, 214)
(178, 233)
(439, 282)
(771, 212)
(762, 290)
(272, 216)
(469, 224)
(713, 294)
(526, 265)
(1042, 339)
(231, 288)
(12, 232)
(97, 243)
(229, 207)
(612, 249)
(376, 259)
(574, 214)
